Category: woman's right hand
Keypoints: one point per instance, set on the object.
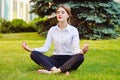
(26, 47)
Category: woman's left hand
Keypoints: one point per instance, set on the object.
(85, 48)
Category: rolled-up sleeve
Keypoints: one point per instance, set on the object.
(47, 44)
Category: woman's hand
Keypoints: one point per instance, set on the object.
(85, 48)
(26, 47)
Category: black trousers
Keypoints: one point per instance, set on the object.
(64, 62)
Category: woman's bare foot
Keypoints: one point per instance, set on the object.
(49, 72)
(44, 71)
(53, 70)
(56, 70)
(67, 73)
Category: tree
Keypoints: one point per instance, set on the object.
(93, 18)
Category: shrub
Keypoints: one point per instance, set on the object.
(5, 26)
(15, 26)
(0, 24)
(18, 25)
(44, 25)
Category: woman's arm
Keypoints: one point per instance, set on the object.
(76, 46)
(46, 46)
(75, 42)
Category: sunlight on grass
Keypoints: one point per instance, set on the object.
(102, 61)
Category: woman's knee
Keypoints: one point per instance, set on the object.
(34, 54)
(80, 57)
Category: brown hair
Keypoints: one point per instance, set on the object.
(68, 10)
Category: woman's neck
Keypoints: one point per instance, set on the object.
(62, 25)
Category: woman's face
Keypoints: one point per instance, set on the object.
(62, 15)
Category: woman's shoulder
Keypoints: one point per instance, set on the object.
(73, 28)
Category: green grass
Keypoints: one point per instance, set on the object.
(102, 61)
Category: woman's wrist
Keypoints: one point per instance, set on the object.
(81, 52)
(30, 50)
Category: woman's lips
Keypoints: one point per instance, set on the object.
(59, 17)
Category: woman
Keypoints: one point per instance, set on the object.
(67, 54)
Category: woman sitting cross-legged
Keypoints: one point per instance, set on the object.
(67, 54)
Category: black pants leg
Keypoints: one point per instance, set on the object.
(73, 63)
(43, 60)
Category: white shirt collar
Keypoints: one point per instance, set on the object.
(67, 28)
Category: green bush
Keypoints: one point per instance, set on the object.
(37, 23)
(15, 26)
(44, 25)
(18, 25)
(0, 24)
(5, 26)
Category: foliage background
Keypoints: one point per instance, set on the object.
(19, 25)
(95, 19)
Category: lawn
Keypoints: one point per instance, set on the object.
(102, 61)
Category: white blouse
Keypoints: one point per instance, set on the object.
(66, 42)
